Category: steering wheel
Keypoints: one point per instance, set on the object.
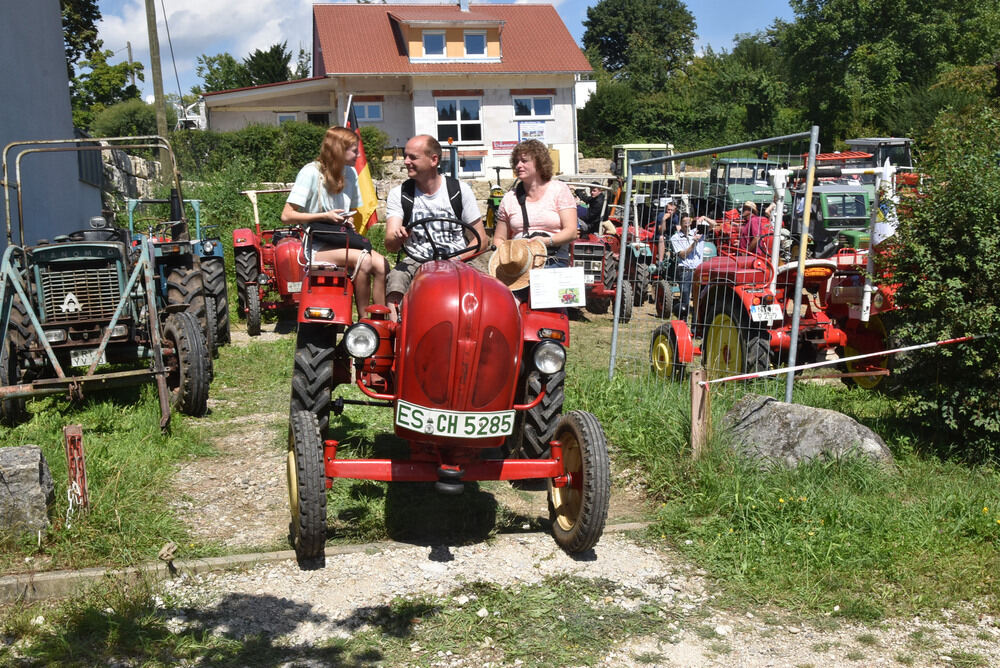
(438, 250)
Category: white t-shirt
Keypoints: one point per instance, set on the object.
(434, 206)
(311, 198)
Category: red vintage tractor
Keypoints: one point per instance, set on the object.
(475, 382)
(269, 266)
(743, 315)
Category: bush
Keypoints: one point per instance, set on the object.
(275, 153)
(129, 118)
(376, 143)
(946, 264)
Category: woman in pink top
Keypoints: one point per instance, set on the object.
(550, 206)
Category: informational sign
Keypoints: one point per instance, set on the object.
(557, 287)
(503, 147)
(531, 130)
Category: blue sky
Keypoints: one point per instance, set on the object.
(239, 26)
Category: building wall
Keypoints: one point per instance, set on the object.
(34, 87)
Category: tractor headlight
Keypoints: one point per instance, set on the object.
(549, 357)
(55, 335)
(119, 331)
(361, 340)
(208, 247)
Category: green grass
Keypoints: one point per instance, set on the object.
(559, 622)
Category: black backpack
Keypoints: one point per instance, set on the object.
(409, 192)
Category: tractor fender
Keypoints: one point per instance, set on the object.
(685, 344)
(244, 236)
(539, 323)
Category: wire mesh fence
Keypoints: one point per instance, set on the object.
(704, 267)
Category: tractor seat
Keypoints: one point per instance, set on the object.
(816, 271)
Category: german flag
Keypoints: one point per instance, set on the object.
(366, 216)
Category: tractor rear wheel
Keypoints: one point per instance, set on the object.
(306, 486)
(609, 269)
(185, 286)
(663, 298)
(730, 347)
(313, 370)
(579, 509)
(533, 428)
(253, 311)
(626, 311)
(12, 411)
(663, 360)
(247, 271)
(598, 305)
(187, 372)
(213, 272)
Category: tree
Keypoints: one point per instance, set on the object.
(222, 72)
(947, 270)
(302, 65)
(269, 66)
(102, 85)
(79, 24)
(641, 41)
(850, 62)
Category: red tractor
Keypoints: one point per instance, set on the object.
(743, 315)
(475, 382)
(269, 267)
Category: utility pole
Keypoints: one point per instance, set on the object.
(128, 45)
(159, 103)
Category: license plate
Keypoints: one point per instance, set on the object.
(762, 312)
(84, 357)
(294, 286)
(436, 422)
(588, 279)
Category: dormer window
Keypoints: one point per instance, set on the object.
(475, 44)
(434, 43)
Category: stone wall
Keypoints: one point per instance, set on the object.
(128, 176)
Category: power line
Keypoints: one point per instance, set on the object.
(170, 44)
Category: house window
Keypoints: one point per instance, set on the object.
(458, 118)
(529, 107)
(368, 111)
(475, 44)
(434, 43)
(470, 166)
(286, 118)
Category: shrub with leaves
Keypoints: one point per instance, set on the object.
(128, 119)
(376, 143)
(949, 274)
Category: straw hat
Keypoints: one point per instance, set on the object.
(750, 205)
(514, 259)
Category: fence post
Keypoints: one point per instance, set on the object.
(701, 412)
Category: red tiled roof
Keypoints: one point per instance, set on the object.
(365, 39)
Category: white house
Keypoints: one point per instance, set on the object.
(484, 76)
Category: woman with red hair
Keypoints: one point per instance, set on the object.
(325, 199)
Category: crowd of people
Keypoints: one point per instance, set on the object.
(535, 223)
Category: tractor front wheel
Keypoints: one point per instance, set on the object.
(579, 508)
(663, 360)
(253, 310)
(598, 305)
(640, 285)
(313, 371)
(663, 298)
(185, 286)
(870, 337)
(306, 486)
(187, 373)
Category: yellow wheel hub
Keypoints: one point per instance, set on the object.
(663, 356)
(724, 351)
(568, 500)
(293, 485)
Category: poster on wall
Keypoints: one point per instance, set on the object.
(503, 147)
(531, 130)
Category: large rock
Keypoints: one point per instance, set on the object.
(780, 434)
(26, 489)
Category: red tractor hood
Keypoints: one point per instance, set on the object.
(460, 341)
